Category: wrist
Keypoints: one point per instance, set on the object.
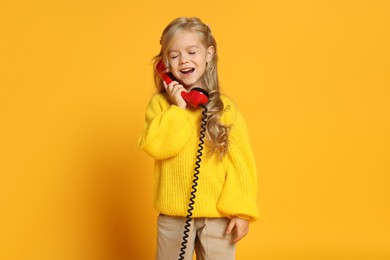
(244, 217)
(182, 105)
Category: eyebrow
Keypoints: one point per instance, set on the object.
(189, 47)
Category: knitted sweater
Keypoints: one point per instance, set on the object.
(225, 188)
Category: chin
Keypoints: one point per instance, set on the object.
(192, 84)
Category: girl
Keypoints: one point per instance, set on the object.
(226, 190)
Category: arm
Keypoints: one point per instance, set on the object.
(166, 129)
(238, 198)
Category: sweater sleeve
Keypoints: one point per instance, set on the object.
(238, 197)
(166, 130)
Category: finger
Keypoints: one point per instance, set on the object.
(230, 226)
(165, 85)
(183, 89)
(171, 86)
(237, 238)
(239, 235)
(177, 89)
(174, 83)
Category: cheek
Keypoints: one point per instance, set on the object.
(173, 66)
(175, 71)
(202, 63)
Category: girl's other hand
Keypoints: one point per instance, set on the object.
(174, 90)
(239, 227)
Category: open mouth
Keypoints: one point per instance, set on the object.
(187, 70)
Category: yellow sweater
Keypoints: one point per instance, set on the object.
(225, 188)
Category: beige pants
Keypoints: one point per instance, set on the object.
(207, 236)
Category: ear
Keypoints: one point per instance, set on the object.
(210, 53)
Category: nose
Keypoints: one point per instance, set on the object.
(183, 59)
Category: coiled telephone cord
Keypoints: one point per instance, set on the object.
(194, 184)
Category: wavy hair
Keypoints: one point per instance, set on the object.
(216, 132)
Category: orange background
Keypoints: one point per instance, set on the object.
(311, 78)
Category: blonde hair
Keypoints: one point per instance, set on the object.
(216, 132)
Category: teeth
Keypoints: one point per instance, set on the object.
(187, 70)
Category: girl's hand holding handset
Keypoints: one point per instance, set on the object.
(174, 90)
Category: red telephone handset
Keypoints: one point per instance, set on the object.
(196, 97)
